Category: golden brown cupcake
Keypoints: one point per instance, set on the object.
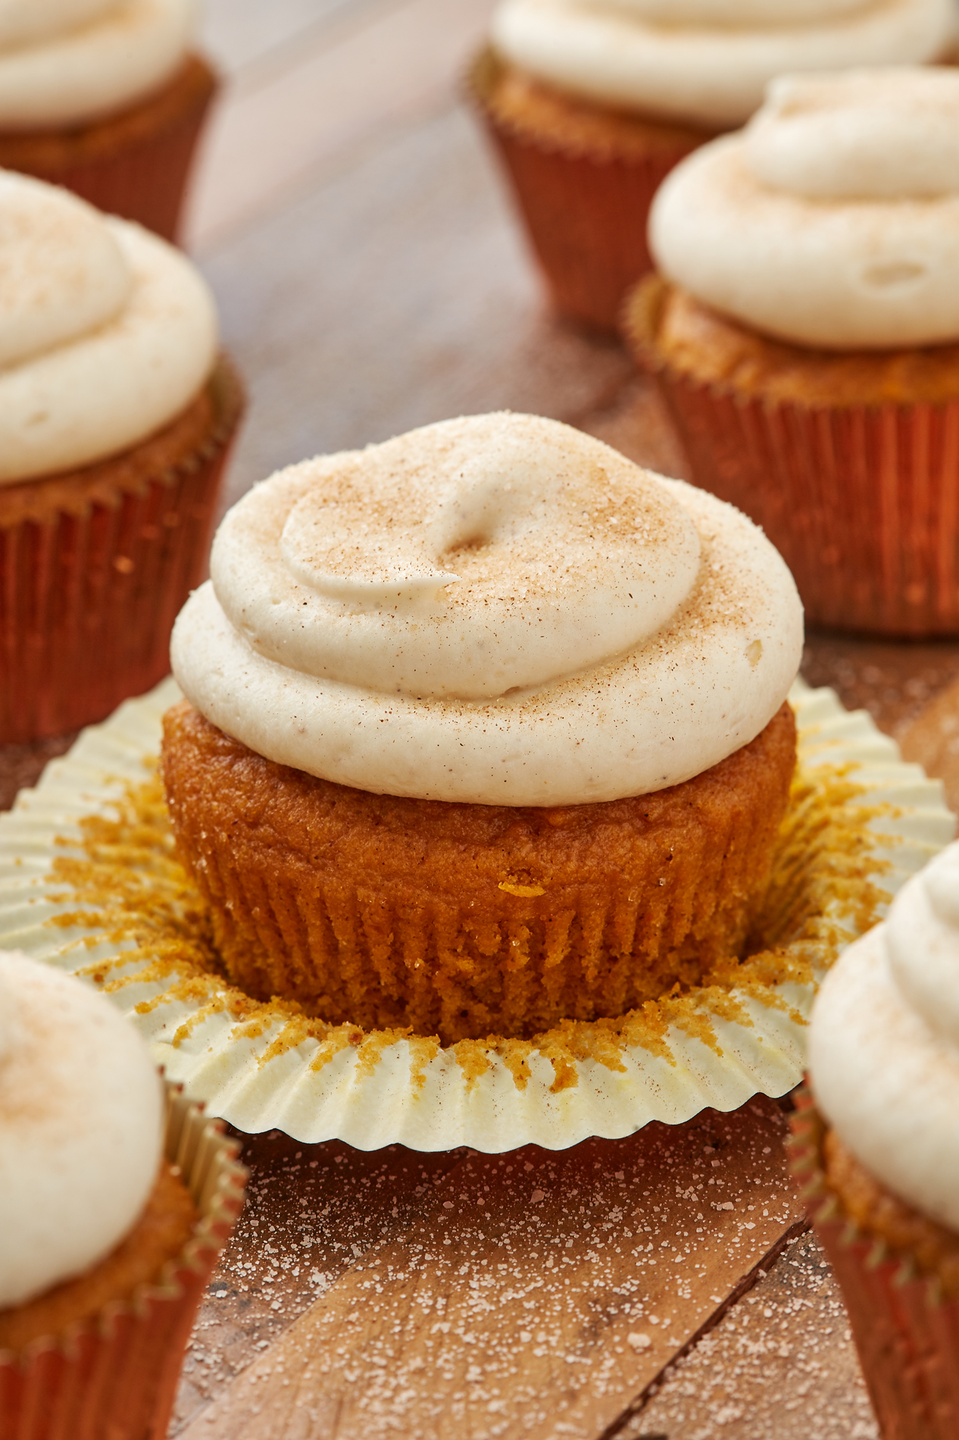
(877, 1153)
(106, 98)
(809, 353)
(487, 730)
(116, 414)
(106, 1244)
(592, 102)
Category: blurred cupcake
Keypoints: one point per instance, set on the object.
(592, 102)
(115, 419)
(879, 1152)
(805, 337)
(115, 1202)
(106, 98)
(486, 730)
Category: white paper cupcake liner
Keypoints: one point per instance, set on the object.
(435, 1105)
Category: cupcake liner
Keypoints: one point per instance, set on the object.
(117, 1375)
(88, 597)
(585, 211)
(263, 1067)
(862, 502)
(906, 1334)
(136, 163)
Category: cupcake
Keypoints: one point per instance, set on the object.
(485, 728)
(115, 418)
(592, 102)
(878, 1149)
(106, 98)
(115, 1201)
(804, 332)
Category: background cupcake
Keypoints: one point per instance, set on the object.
(115, 419)
(805, 337)
(879, 1153)
(106, 98)
(115, 1200)
(592, 102)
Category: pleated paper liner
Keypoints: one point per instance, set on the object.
(862, 502)
(96, 565)
(135, 163)
(906, 1332)
(584, 206)
(116, 1376)
(89, 882)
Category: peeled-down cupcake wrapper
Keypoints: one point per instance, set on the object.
(371, 1091)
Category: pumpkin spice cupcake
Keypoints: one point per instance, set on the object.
(107, 98)
(486, 729)
(592, 102)
(809, 353)
(876, 1149)
(115, 419)
(115, 1201)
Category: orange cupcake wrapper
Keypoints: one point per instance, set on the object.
(862, 502)
(907, 1335)
(585, 213)
(117, 1375)
(87, 603)
(135, 164)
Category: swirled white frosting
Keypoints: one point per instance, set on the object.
(833, 218)
(496, 609)
(65, 62)
(81, 1127)
(708, 61)
(884, 1044)
(106, 332)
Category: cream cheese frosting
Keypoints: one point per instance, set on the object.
(81, 1127)
(66, 62)
(708, 61)
(884, 1044)
(833, 218)
(497, 609)
(106, 331)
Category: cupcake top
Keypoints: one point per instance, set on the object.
(832, 219)
(498, 609)
(81, 1127)
(106, 331)
(884, 1044)
(708, 61)
(65, 62)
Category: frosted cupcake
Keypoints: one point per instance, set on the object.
(115, 418)
(809, 349)
(485, 729)
(115, 1201)
(107, 98)
(592, 102)
(880, 1151)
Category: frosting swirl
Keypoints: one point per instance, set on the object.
(65, 62)
(708, 61)
(106, 332)
(496, 609)
(884, 1044)
(833, 218)
(81, 1125)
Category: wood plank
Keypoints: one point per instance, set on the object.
(931, 738)
(535, 1294)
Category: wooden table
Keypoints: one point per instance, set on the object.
(370, 279)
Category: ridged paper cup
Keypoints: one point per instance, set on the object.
(862, 502)
(906, 1333)
(89, 881)
(115, 1377)
(135, 163)
(95, 568)
(584, 209)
